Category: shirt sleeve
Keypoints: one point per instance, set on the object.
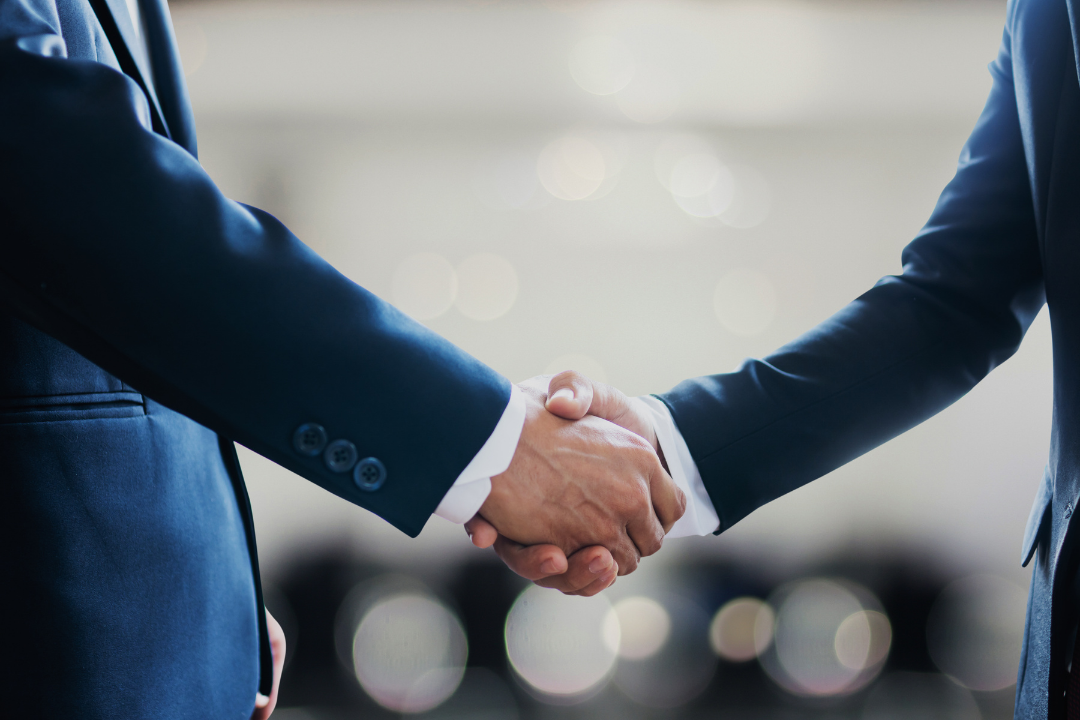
(473, 485)
(700, 517)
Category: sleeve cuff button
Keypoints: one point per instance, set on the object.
(340, 456)
(309, 439)
(370, 474)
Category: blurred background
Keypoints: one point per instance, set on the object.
(645, 192)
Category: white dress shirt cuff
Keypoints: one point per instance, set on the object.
(700, 517)
(473, 485)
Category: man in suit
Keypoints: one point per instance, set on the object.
(146, 323)
(1003, 240)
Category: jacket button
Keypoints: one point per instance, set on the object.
(309, 439)
(370, 474)
(340, 456)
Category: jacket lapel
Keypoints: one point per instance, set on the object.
(125, 43)
(1073, 19)
(169, 74)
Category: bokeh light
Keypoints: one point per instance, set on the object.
(975, 631)
(701, 186)
(644, 627)
(424, 286)
(667, 661)
(651, 97)
(564, 647)
(824, 640)
(571, 168)
(926, 696)
(745, 302)
(487, 286)
(583, 364)
(742, 629)
(409, 653)
(601, 65)
(863, 639)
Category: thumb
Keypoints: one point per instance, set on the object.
(611, 404)
(482, 533)
(570, 395)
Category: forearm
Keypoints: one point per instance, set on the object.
(971, 285)
(132, 256)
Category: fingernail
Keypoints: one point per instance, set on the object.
(548, 566)
(565, 392)
(599, 565)
(261, 700)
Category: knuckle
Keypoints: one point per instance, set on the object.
(641, 448)
(653, 543)
(566, 377)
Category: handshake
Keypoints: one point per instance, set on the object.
(586, 495)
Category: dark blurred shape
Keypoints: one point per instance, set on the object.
(482, 695)
(665, 669)
(975, 631)
(314, 588)
(278, 606)
(484, 592)
(904, 696)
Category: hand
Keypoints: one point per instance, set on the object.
(571, 395)
(585, 573)
(588, 571)
(583, 483)
(265, 705)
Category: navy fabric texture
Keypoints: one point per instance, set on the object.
(1003, 240)
(143, 317)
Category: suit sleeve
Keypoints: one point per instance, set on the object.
(116, 242)
(971, 285)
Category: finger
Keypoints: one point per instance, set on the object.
(645, 531)
(482, 533)
(585, 567)
(264, 705)
(626, 553)
(668, 500)
(532, 562)
(612, 405)
(569, 395)
(600, 584)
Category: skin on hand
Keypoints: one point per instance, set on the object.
(265, 705)
(570, 395)
(585, 573)
(582, 483)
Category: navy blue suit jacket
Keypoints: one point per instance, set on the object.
(144, 317)
(1003, 240)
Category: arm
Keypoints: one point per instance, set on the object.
(915, 343)
(118, 244)
(970, 287)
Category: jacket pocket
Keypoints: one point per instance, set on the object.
(1040, 511)
(61, 408)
